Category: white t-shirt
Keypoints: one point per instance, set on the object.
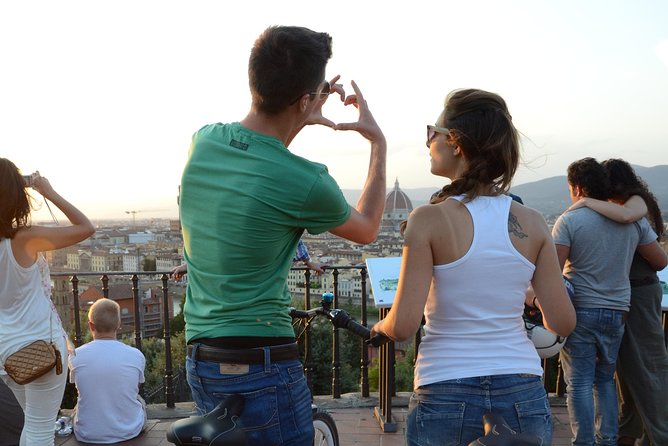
(107, 374)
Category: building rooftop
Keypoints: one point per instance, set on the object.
(397, 200)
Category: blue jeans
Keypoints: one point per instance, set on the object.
(588, 360)
(450, 412)
(277, 408)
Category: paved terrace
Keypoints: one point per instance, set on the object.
(354, 417)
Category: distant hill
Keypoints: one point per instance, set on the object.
(550, 195)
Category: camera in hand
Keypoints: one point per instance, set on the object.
(27, 180)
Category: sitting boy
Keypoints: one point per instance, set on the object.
(107, 374)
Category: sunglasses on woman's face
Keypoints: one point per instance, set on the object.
(432, 130)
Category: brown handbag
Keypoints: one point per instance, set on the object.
(32, 361)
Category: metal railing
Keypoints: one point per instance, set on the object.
(386, 357)
(163, 276)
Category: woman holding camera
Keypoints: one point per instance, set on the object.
(26, 311)
(468, 259)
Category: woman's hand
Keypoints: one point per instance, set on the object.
(42, 185)
(582, 202)
(377, 329)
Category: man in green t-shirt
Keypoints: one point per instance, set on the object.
(245, 202)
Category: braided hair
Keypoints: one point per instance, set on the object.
(482, 127)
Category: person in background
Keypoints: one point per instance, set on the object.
(11, 417)
(468, 259)
(595, 254)
(115, 411)
(642, 364)
(302, 255)
(27, 313)
(245, 202)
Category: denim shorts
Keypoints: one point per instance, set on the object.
(450, 412)
(277, 408)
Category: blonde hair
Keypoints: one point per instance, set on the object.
(106, 315)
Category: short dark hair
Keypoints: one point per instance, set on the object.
(14, 200)
(591, 177)
(286, 62)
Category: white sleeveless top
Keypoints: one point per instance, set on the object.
(26, 311)
(473, 313)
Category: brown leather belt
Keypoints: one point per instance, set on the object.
(244, 356)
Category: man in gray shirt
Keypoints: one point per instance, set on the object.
(595, 254)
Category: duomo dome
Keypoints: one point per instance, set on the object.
(397, 208)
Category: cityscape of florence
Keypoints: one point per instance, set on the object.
(104, 100)
(143, 244)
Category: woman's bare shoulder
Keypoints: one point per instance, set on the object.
(444, 209)
(529, 217)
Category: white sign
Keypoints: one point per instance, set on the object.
(384, 278)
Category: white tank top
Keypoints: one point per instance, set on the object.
(473, 313)
(26, 311)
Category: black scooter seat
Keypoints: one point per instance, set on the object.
(219, 427)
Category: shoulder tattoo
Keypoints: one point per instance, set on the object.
(514, 227)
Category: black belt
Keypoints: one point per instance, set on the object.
(647, 280)
(244, 356)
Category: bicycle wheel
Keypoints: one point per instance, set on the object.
(325, 429)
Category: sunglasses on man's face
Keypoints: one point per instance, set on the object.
(432, 130)
(325, 90)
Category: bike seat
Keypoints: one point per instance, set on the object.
(498, 433)
(219, 427)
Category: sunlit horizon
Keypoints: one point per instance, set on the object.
(103, 97)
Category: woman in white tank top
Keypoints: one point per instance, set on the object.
(26, 311)
(468, 259)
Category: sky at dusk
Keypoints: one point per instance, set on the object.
(102, 97)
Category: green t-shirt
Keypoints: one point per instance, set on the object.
(245, 201)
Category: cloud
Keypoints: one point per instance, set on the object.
(662, 51)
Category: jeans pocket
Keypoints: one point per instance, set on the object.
(436, 423)
(259, 418)
(295, 377)
(534, 417)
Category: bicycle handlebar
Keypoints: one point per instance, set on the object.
(341, 319)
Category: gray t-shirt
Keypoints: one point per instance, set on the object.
(601, 252)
